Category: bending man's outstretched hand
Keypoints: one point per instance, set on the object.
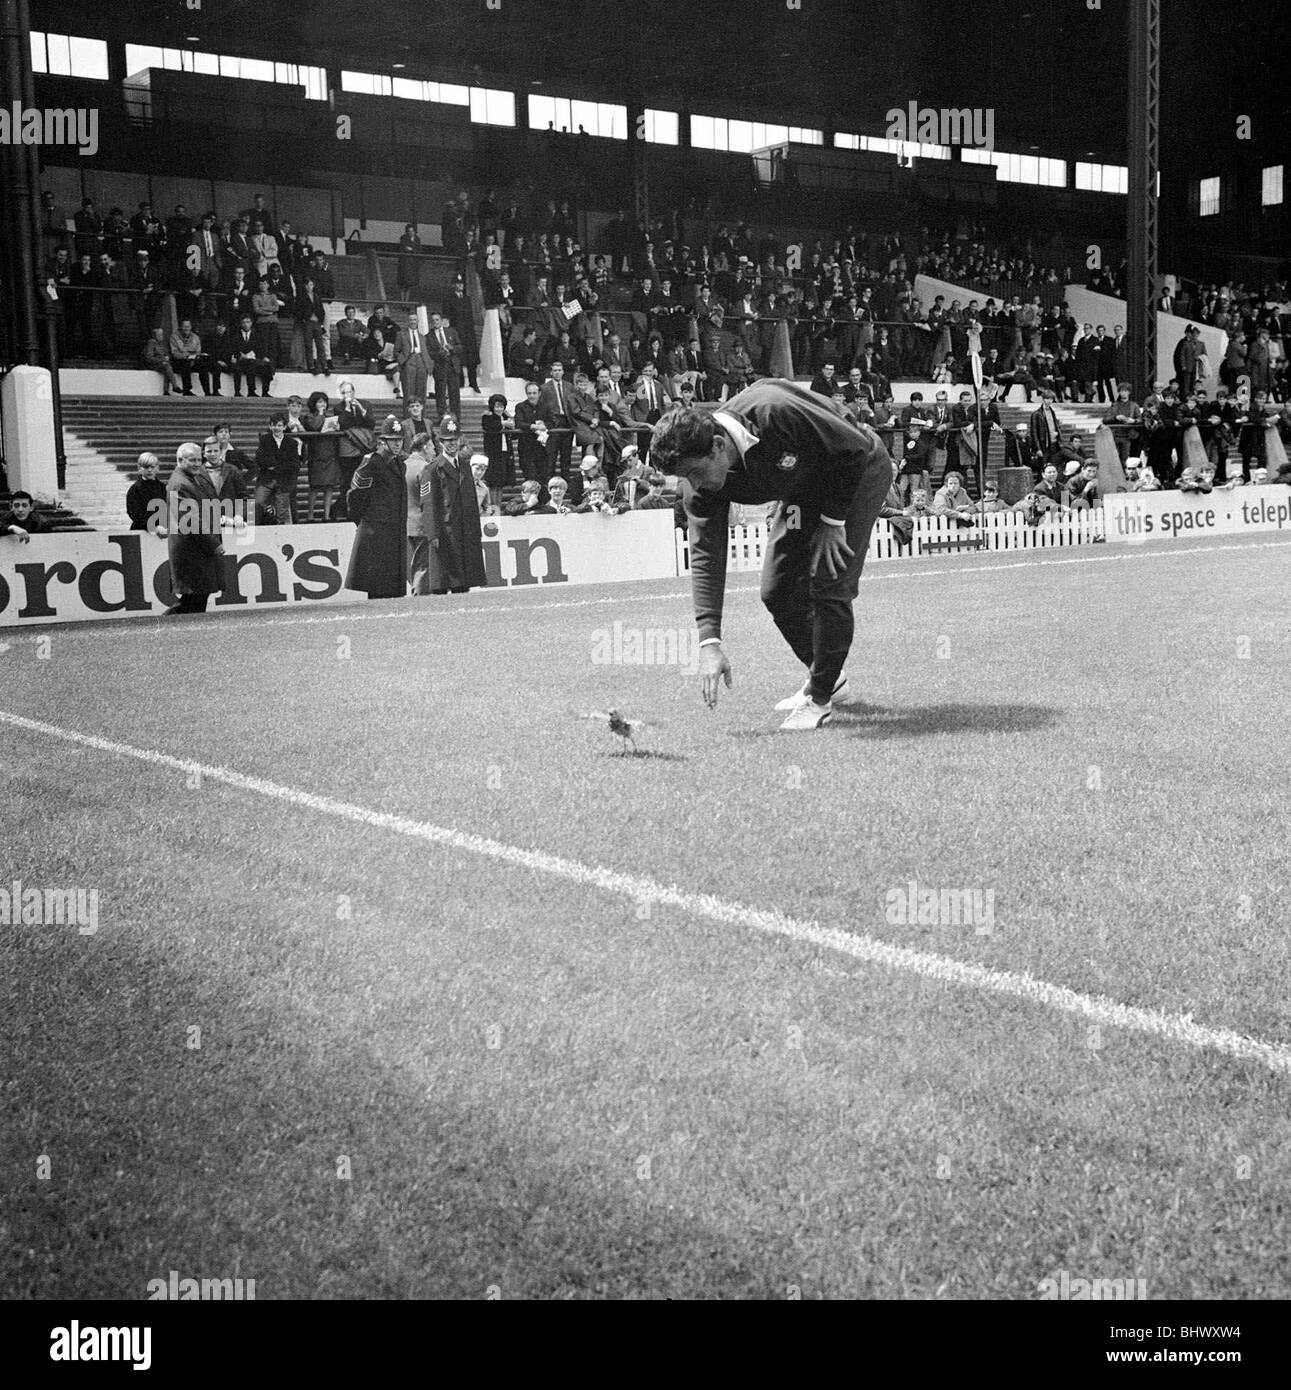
(830, 553)
(713, 665)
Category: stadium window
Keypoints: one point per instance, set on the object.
(489, 106)
(708, 132)
(662, 127)
(1102, 178)
(905, 150)
(1208, 197)
(739, 136)
(406, 88)
(565, 114)
(140, 57)
(1271, 189)
(372, 84)
(601, 118)
(66, 55)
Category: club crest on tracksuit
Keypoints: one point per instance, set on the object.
(787, 461)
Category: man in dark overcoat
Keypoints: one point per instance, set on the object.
(450, 517)
(378, 502)
(193, 533)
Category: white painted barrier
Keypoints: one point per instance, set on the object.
(31, 462)
(85, 575)
(932, 535)
(1135, 517)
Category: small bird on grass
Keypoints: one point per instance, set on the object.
(626, 729)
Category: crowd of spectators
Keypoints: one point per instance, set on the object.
(608, 337)
(713, 309)
(242, 275)
(315, 445)
(842, 299)
(696, 298)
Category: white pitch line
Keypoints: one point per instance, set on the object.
(357, 612)
(1176, 1028)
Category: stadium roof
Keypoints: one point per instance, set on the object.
(1052, 71)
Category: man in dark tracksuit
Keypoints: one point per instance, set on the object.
(776, 441)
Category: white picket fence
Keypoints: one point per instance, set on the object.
(933, 535)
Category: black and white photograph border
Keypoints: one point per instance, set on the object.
(642, 659)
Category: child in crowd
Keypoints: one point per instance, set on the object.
(22, 520)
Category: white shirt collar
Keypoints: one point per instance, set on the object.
(742, 437)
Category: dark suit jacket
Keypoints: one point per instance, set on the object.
(240, 345)
(643, 410)
(522, 361)
(577, 406)
(211, 267)
(403, 348)
(307, 306)
(438, 356)
(238, 247)
(278, 464)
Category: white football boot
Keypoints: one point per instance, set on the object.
(840, 696)
(807, 714)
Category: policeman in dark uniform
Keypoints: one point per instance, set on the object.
(778, 442)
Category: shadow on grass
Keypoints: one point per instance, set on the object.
(652, 753)
(861, 720)
(224, 1161)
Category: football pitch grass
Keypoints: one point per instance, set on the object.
(407, 983)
